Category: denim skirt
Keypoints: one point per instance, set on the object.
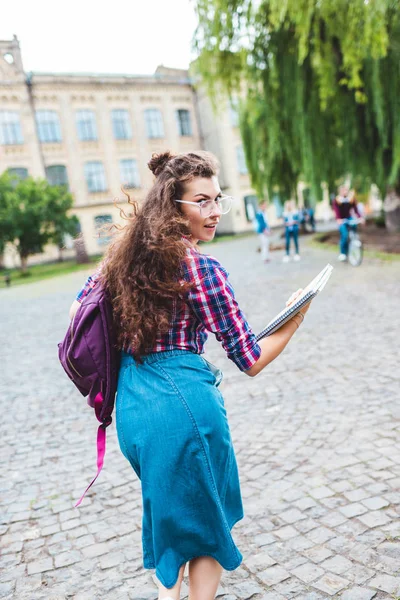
(173, 428)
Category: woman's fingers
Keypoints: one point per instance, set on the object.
(293, 297)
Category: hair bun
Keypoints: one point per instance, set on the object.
(158, 162)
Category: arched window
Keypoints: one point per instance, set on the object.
(57, 175)
(154, 123)
(95, 176)
(48, 125)
(121, 124)
(184, 123)
(20, 172)
(10, 128)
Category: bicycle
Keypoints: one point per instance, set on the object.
(355, 248)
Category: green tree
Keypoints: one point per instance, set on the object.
(323, 83)
(7, 231)
(32, 214)
(59, 202)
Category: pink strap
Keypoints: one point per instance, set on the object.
(101, 444)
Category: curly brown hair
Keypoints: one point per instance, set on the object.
(143, 267)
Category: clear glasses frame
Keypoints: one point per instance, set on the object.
(206, 207)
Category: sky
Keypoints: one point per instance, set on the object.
(119, 36)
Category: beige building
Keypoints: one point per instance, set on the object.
(97, 132)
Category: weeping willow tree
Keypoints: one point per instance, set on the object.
(322, 80)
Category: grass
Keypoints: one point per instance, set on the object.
(46, 271)
(385, 256)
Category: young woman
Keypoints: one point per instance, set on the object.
(171, 421)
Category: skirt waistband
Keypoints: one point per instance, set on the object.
(128, 359)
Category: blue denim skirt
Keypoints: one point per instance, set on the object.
(173, 429)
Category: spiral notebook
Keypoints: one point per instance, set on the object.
(313, 288)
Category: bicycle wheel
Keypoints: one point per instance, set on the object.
(355, 252)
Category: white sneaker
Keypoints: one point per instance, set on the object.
(296, 257)
(286, 258)
(342, 257)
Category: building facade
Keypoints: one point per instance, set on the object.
(97, 132)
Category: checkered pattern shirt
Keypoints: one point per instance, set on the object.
(209, 306)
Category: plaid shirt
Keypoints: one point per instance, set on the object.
(209, 306)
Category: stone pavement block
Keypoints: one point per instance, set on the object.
(273, 575)
(67, 558)
(293, 515)
(321, 492)
(374, 519)
(95, 550)
(353, 510)
(330, 584)
(337, 564)
(246, 589)
(46, 564)
(7, 589)
(358, 594)
(318, 553)
(386, 583)
(320, 535)
(376, 503)
(111, 559)
(285, 533)
(260, 561)
(308, 572)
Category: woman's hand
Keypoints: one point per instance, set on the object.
(73, 309)
(293, 299)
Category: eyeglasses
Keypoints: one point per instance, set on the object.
(206, 207)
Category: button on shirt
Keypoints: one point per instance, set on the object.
(209, 306)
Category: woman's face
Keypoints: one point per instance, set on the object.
(202, 227)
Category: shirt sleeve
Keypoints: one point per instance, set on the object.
(90, 284)
(213, 301)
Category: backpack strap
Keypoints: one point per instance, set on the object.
(101, 441)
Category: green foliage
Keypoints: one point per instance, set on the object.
(323, 86)
(33, 213)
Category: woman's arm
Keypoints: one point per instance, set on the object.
(274, 344)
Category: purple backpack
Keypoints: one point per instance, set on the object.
(89, 356)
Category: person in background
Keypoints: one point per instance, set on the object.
(263, 231)
(291, 221)
(311, 217)
(345, 209)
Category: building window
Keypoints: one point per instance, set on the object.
(57, 175)
(184, 124)
(95, 177)
(48, 125)
(102, 225)
(154, 123)
(19, 172)
(86, 125)
(10, 128)
(251, 207)
(234, 112)
(241, 161)
(121, 124)
(129, 172)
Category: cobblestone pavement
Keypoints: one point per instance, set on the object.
(316, 436)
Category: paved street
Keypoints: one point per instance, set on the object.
(316, 436)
